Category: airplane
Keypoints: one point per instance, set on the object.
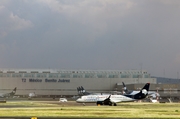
(6, 95)
(132, 92)
(114, 99)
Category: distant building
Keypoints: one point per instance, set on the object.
(65, 82)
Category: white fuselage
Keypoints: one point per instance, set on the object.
(95, 98)
(2, 95)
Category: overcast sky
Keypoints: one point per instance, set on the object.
(91, 35)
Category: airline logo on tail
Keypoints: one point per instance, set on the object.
(14, 91)
(82, 91)
(144, 91)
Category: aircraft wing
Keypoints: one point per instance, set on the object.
(115, 101)
(112, 100)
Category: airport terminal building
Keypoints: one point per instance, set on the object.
(48, 82)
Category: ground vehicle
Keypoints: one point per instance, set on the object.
(62, 100)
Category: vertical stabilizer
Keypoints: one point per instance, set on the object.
(124, 88)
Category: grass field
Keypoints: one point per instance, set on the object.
(123, 110)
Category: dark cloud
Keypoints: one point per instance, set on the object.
(94, 34)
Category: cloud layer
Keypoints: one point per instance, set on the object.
(91, 34)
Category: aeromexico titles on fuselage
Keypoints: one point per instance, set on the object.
(113, 99)
(46, 80)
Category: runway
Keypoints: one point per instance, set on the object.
(17, 103)
(48, 108)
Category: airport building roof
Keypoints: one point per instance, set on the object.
(72, 71)
(56, 73)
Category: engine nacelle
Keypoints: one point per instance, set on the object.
(105, 103)
(100, 103)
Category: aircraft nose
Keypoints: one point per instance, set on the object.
(79, 100)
